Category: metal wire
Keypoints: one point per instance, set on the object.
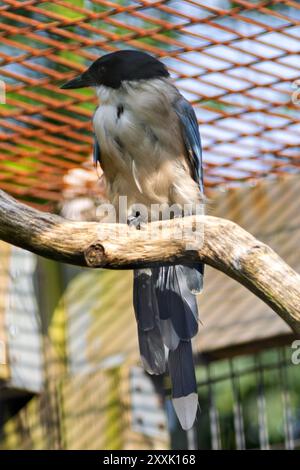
(260, 385)
(236, 61)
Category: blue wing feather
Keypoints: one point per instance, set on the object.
(192, 140)
(191, 136)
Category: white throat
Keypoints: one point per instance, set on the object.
(106, 94)
(130, 89)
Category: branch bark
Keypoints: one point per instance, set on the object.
(226, 247)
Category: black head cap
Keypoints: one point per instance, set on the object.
(112, 69)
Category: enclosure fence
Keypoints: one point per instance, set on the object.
(235, 61)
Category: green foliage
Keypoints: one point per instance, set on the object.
(64, 11)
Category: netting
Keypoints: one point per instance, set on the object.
(235, 61)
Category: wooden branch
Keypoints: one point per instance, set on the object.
(226, 247)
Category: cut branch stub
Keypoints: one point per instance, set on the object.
(94, 255)
(226, 247)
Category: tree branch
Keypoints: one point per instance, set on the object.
(226, 247)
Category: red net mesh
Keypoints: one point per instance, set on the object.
(235, 61)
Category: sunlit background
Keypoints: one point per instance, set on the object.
(70, 376)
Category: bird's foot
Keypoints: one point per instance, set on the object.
(135, 220)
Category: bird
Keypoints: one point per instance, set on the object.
(147, 142)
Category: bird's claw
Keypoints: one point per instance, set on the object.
(135, 221)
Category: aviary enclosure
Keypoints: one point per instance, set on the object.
(70, 374)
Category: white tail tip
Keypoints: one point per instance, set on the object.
(186, 410)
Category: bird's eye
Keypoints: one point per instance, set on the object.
(102, 69)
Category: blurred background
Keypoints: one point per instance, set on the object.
(70, 376)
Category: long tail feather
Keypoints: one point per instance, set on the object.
(176, 302)
(152, 350)
(194, 277)
(178, 314)
(169, 335)
(184, 386)
(167, 315)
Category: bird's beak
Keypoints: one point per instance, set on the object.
(78, 82)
